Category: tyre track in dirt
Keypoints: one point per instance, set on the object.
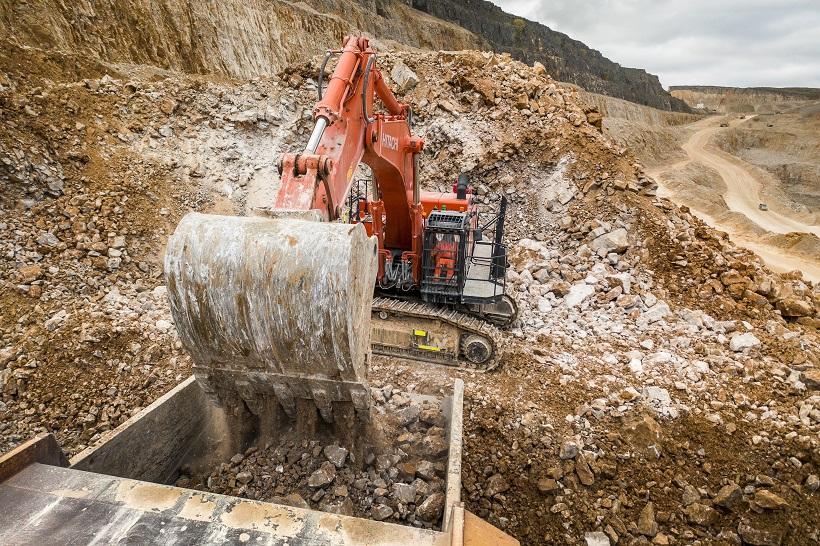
(743, 196)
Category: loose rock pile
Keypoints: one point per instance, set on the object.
(401, 480)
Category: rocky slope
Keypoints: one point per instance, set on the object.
(260, 37)
(614, 108)
(235, 38)
(566, 59)
(653, 135)
(738, 100)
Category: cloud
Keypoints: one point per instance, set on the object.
(739, 43)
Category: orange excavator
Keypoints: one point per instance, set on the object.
(281, 304)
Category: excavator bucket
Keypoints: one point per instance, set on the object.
(274, 310)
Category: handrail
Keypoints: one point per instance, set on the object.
(320, 79)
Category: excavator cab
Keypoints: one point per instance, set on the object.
(460, 267)
(446, 239)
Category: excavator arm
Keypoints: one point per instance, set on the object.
(348, 131)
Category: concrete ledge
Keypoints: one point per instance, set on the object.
(43, 448)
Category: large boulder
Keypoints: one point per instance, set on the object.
(654, 313)
(743, 341)
(495, 485)
(577, 294)
(614, 241)
(644, 435)
(432, 508)
(794, 307)
(728, 496)
(405, 78)
(702, 515)
(323, 476)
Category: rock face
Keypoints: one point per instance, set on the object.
(238, 38)
(564, 58)
(727, 100)
(267, 35)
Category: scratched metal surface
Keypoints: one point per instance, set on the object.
(263, 300)
(44, 505)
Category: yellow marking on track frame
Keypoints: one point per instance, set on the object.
(429, 348)
(419, 333)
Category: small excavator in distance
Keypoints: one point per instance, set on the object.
(280, 304)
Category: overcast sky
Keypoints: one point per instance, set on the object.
(707, 42)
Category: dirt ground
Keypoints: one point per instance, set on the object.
(690, 450)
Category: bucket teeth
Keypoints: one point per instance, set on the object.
(361, 402)
(322, 401)
(285, 397)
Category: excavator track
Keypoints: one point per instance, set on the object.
(428, 333)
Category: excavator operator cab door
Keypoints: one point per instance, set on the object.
(446, 237)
